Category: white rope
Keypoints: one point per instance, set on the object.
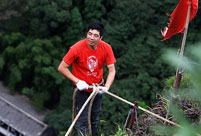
(142, 109)
(81, 110)
(164, 119)
(100, 88)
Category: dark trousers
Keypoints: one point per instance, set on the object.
(82, 122)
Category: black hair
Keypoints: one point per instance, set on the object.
(98, 26)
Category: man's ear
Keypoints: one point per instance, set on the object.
(101, 37)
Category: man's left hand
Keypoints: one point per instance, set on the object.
(103, 89)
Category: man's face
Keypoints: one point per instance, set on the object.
(93, 37)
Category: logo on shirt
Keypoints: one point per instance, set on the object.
(92, 63)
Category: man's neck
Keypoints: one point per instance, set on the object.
(93, 47)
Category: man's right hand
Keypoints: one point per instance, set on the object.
(82, 85)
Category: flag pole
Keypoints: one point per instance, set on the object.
(179, 71)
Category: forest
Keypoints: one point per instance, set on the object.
(36, 34)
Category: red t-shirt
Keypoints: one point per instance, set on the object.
(87, 64)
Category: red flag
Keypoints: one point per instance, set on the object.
(178, 18)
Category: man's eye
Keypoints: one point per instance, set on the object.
(96, 35)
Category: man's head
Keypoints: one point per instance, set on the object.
(94, 34)
(97, 26)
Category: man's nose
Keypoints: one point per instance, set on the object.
(92, 37)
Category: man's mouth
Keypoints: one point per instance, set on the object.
(91, 42)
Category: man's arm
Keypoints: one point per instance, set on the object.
(64, 70)
(111, 75)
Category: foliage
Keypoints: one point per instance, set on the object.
(11, 8)
(180, 106)
(62, 133)
(58, 121)
(186, 81)
(46, 17)
(93, 11)
(33, 42)
(120, 132)
(30, 67)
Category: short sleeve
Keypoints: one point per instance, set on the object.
(110, 59)
(70, 56)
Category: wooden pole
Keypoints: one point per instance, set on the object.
(179, 71)
(95, 89)
(79, 113)
(155, 115)
(113, 95)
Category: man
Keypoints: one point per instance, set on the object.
(87, 58)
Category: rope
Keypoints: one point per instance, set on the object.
(89, 113)
(164, 119)
(90, 105)
(109, 93)
(79, 113)
(143, 109)
(73, 107)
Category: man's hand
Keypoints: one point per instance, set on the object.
(103, 89)
(82, 85)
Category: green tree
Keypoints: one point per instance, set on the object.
(93, 11)
(47, 17)
(31, 68)
(74, 32)
(11, 8)
(33, 43)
